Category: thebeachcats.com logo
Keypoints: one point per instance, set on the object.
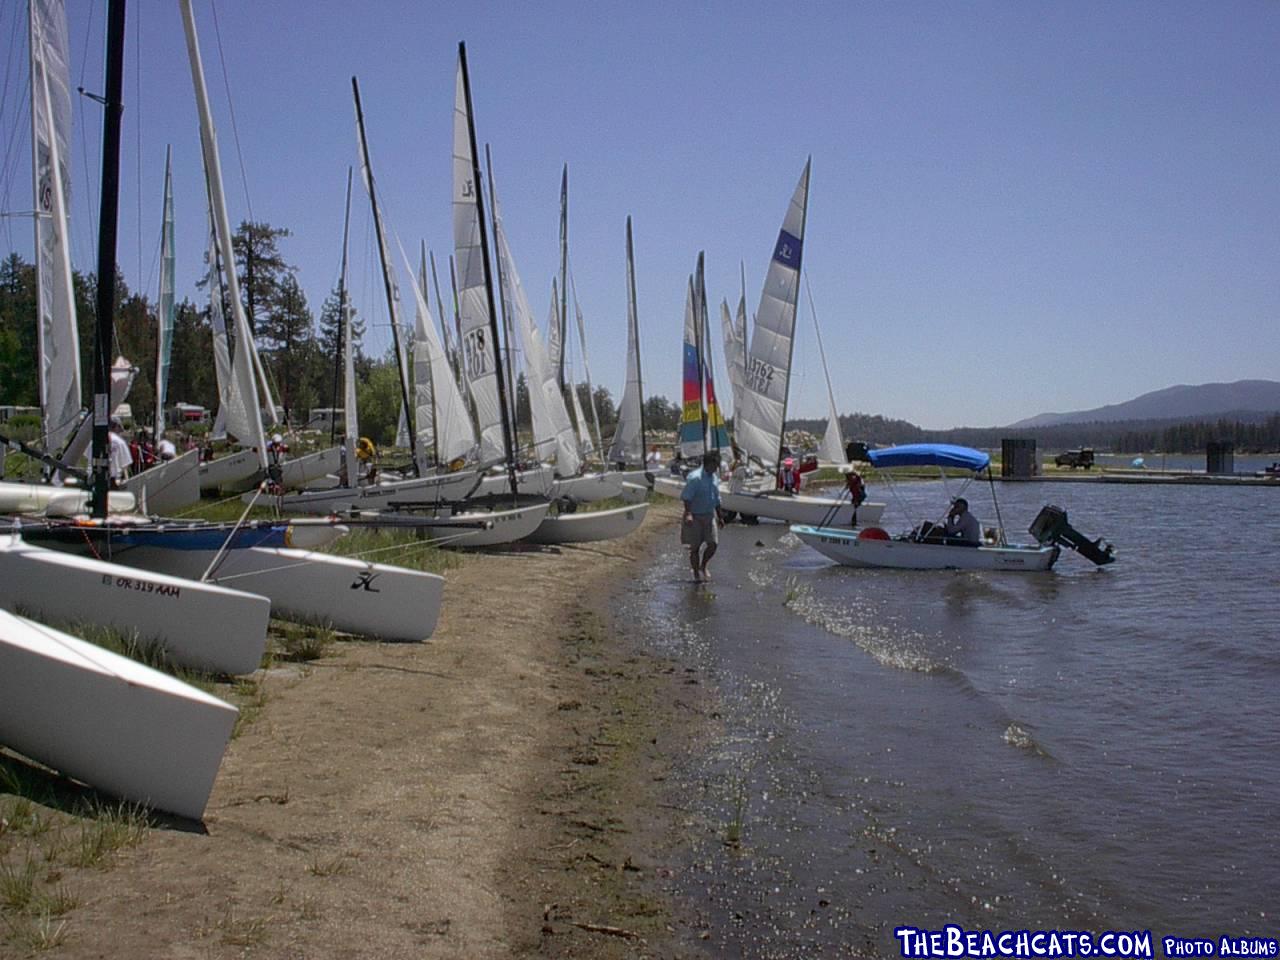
(953, 941)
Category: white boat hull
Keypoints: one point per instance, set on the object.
(40, 498)
(846, 547)
(297, 473)
(474, 528)
(379, 496)
(370, 599)
(536, 482)
(200, 625)
(588, 488)
(169, 486)
(772, 505)
(589, 526)
(107, 721)
(234, 471)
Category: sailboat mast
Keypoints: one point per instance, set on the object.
(488, 274)
(164, 307)
(502, 300)
(564, 266)
(633, 317)
(387, 284)
(340, 354)
(107, 222)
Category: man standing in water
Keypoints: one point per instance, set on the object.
(701, 524)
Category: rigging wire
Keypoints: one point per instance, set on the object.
(91, 203)
(231, 108)
(6, 178)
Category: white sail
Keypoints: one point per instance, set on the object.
(242, 361)
(759, 422)
(546, 403)
(479, 360)
(122, 374)
(584, 432)
(165, 306)
(57, 336)
(628, 444)
(555, 346)
(454, 433)
(586, 368)
(735, 350)
(832, 449)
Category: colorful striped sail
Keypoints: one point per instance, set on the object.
(691, 439)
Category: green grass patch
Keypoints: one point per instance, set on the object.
(402, 548)
(299, 642)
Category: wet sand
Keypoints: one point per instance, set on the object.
(498, 791)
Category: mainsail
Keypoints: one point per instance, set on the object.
(628, 434)
(57, 336)
(165, 307)
(546, 404)
(759, 422)
(438, 399)
(692, 436)
(479, 360)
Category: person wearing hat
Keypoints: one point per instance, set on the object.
(857, 489)
(276, 451)
(119, 456)
(788, 479)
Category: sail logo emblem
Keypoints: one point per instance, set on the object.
(787, 251)
(477, 357)
(364, 581)
(468, 189)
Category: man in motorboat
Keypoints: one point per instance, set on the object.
(963, 526)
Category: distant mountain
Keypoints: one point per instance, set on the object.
(1181, 402)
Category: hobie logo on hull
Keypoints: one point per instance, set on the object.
(364, 581)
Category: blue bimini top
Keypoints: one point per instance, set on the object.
(930, 455)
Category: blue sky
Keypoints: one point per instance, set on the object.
(1015, 207)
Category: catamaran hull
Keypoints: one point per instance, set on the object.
(107, 721)
(234, 471)
(472, 528)
(38, 498)
(380, 496)
(370, 599)
(588, 488)
(297, 473)
(590, 526)
(537, 482)
(847, 548)
(200, 625)
(167, 487)
(799, 509)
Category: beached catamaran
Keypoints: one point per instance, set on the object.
(88, 713)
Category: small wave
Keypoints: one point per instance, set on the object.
(897, 650)
(1017, 736)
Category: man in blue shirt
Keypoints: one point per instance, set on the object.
(701, 524)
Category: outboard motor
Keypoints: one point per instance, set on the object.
(1051, 526)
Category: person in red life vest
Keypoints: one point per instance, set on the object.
(788, 478)
(857, 489)
(277, 450)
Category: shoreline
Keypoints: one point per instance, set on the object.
(494, 791)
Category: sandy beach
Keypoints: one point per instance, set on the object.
(494, 792)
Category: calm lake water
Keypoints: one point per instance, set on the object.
(1085, 748)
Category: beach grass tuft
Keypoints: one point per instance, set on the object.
(401, 548)
(106, 829)
(299, 643)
